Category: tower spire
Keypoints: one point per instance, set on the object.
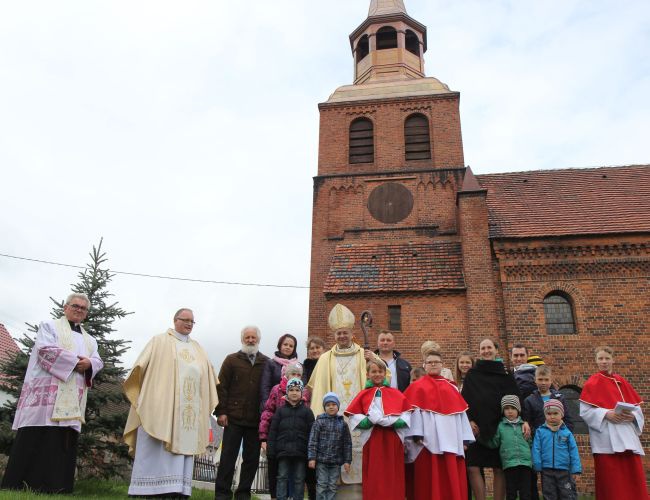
(383, 7)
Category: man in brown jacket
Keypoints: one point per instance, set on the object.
(238, 412)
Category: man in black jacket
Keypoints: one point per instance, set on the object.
(400, 369)
(238, 412)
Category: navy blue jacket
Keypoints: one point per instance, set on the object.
(289, 433)
(330, 441)
(525, 378)
(533, 411)
(556, 450)
(403, 370)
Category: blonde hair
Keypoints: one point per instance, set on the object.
(543, 370)
(377, 362)
(604, 348)
(428, 346)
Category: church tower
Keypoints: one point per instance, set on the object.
(386, 230)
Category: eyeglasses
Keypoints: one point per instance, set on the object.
(77, 307)
(433, 362)
(186, 321)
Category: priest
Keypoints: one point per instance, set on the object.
(52, 404)
(342, 370)
(172, 389)
(438, 432)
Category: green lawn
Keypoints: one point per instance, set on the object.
(92, 488)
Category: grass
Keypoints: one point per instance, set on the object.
(97, 489)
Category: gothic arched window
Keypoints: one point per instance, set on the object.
(386, 38)
(558, 314)
(417, 145)
(362, 146)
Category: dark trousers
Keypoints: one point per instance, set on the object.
(42, 459)
(272, 471)
(558, 485)
(232, 439)
(517, 482)
(310, 481)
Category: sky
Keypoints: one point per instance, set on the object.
(185, 134)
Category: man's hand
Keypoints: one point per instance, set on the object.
(368, 354)
(346, 468)
(222, 420)
(619, 418)
(82, 365)
(312, 464)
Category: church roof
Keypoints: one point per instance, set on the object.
(565, 202)
(396, 267)
(8, 345)
(382, 7)
(389, 89)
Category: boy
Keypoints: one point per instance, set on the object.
(330, 447)
(381, 413)
(288, 439)
(514, 449)
(534, 404)
(417, 373)
(555, 454)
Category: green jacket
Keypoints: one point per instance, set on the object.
(514, 449)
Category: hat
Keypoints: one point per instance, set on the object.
(511, 400)
(291, 368)
(295, 383)
(554, 404)
(535, 360)
(331, 397)
(340, 318)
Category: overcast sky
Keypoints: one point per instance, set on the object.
(186, 135)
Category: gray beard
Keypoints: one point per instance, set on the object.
(250, 349)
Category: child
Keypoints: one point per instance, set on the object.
(381, 413)
(417, 373)
(555, 454)
(514, 449)
(330, 447)
(534, 404)
(275, 400)
(288, 439)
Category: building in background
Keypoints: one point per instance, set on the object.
(557, 259)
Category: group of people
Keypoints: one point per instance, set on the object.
(345, 421)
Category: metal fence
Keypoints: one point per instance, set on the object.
(205, 469)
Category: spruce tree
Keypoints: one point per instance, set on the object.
(101, 451)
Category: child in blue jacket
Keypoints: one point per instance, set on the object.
(555, 454)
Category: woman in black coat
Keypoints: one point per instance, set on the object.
(484, 386)
(272, 373)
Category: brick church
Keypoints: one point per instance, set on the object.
(556, 259)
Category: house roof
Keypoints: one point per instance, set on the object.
(568, 201)
(8, 345)
(397, 267)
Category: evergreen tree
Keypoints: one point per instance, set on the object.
(101, 450)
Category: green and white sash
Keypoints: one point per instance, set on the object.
(67, 405)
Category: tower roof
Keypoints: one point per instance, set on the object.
(383, 7)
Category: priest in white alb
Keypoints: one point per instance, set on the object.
(52, 404)
(172, 389)
(342, 370)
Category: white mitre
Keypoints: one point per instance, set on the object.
(340, 318)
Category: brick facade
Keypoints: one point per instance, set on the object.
(584, 233)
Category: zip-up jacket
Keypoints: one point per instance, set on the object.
(514, 449)
(330, 441)
(533, 409)
(289, 433)
(556, 450)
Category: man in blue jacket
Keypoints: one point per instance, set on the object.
(400, 369)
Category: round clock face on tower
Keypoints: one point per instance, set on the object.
(391, 202)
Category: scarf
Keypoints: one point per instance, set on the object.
(67, 405)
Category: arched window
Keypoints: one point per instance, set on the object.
(362, 147)
(363, 48)
(412, 43)
(416, 138)
(386, 38)
(558, 314)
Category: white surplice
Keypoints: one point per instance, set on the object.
(607, 437)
